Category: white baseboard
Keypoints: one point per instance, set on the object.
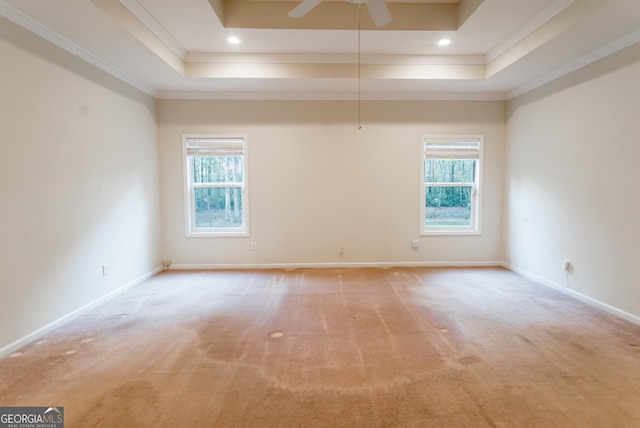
(331, 265)
(582, 297)
(31, 337)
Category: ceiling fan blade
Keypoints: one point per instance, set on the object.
(303, 8)
(379, 12)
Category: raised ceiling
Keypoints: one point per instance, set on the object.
(408, 15)
(171, 48)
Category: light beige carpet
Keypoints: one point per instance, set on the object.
(414, 347)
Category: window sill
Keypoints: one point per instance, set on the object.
(220, 234)
(450, 233)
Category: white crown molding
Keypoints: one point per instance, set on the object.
(594, 56)
(266, 58)
(155, 27)
(22, 19)
(30, 24)
(254, 96)
(331, 96)
(549, 12)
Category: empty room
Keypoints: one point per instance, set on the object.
(320, 213)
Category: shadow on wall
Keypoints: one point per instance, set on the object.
(623, 58)
(30, 42)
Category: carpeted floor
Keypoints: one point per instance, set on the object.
(399, 347)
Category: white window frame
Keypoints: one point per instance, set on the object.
(189, 144)
(456, 151)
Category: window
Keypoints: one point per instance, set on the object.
(215, 185)
(451, 184)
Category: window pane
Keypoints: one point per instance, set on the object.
(217, 169)
(448, 206)
(449, 170)
(219, 207)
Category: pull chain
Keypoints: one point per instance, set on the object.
(359, 90)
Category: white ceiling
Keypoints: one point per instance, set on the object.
(171, 48)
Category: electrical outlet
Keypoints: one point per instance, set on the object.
(254, 245)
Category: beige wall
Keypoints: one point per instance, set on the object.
(315, 179)
(78, 180)
(572, 181)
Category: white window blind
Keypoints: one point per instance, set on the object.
(452, 148)
(215, 146)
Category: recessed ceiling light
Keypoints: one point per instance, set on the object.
(444, 42)
(233, 40)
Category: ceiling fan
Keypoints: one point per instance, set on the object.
(377, 9)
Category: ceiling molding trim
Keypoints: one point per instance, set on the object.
(535, 23)
(331, 96)
(30, 24)
(592, 57)
(155, 27)
(208, 57)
